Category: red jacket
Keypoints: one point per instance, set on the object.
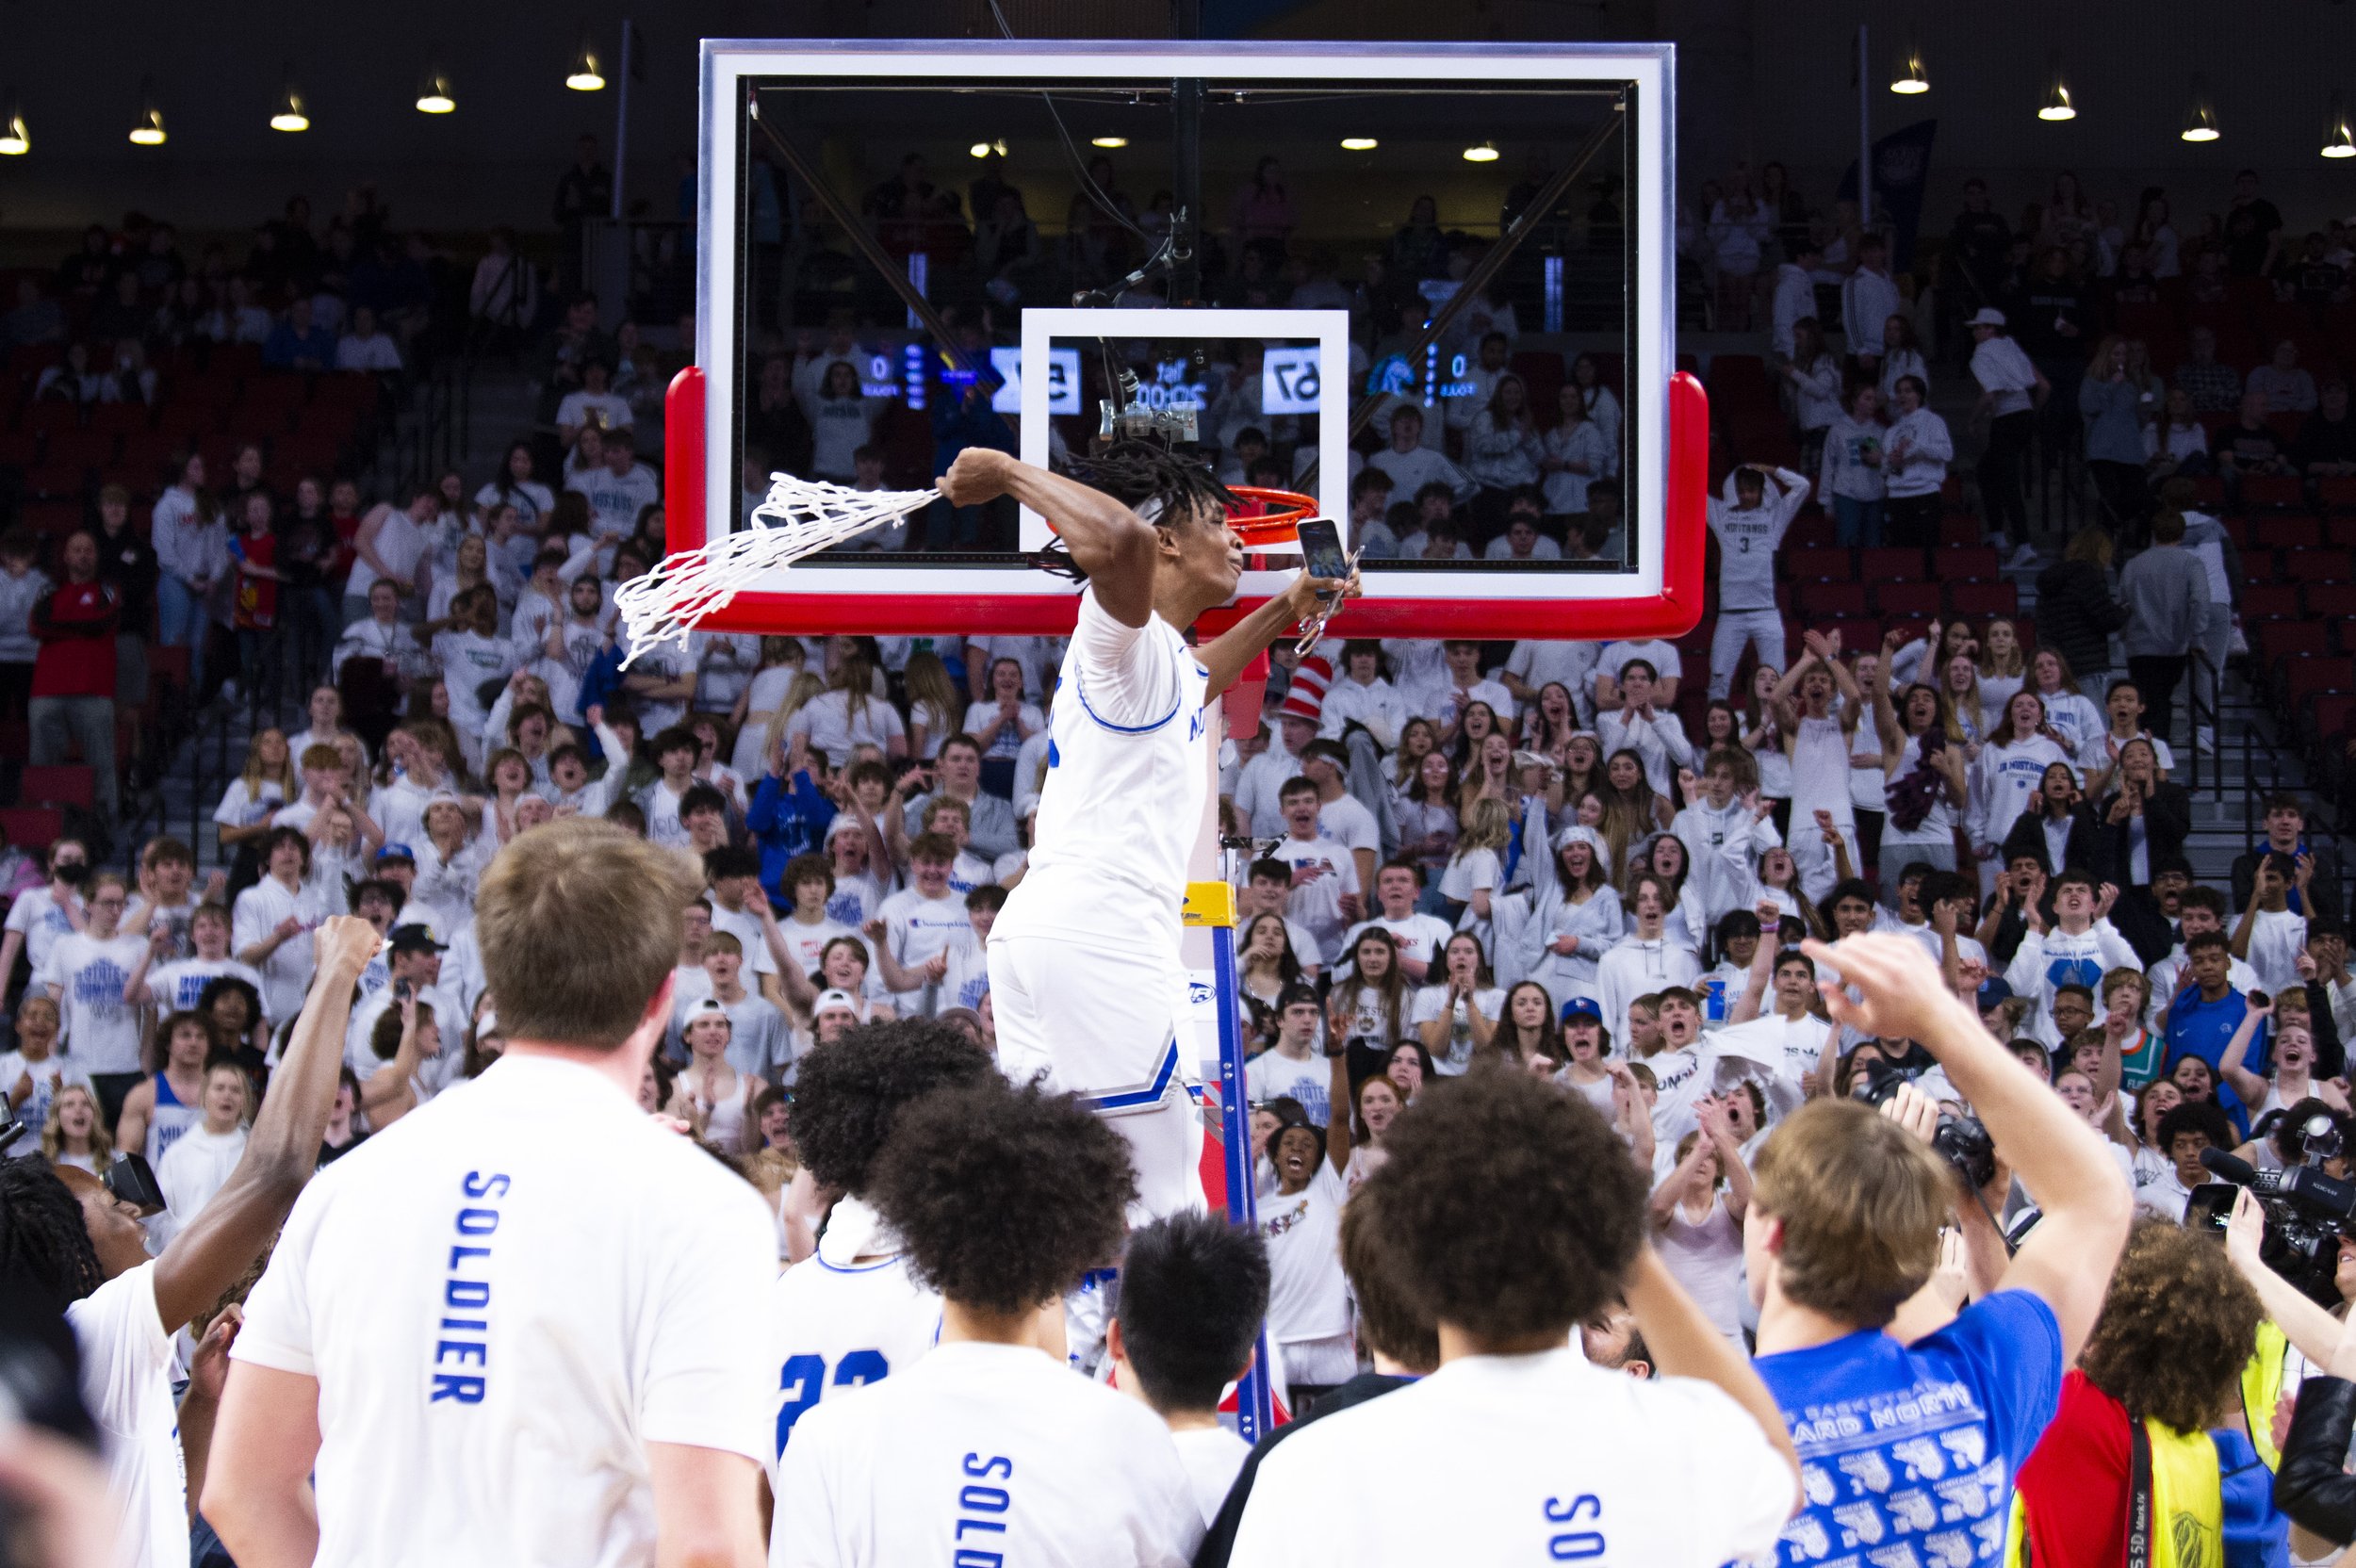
(76, 626)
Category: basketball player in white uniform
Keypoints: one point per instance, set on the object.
(855, 1312)
(1084, 962)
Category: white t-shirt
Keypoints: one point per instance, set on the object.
(834, 728)
(1213, 1456)
(1523, 1460)
(1308, 1295)
(1273, 1075)
(852, 1314)
(1433, 1000)
(1123, 799)
(1318, 905)
(287, 972)
(50, 1075)
(196, 1167)
(983, 1454)
(505, 1297)
(127, 1382)
(176, 987)
(615, 499)
(102, 1031)
(36, 917)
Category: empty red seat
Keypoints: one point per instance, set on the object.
(2331, 715)
(1892, 565)
(32, 828)
(2270, 601)
(2306, 677)
(1830, 600)
(58, 786)
(2283, 533)
(2290, 639)
(2317, 565)
(1975, 563)
(1912, 602)
(1983, 598)
(1814, 533)
(2331, 599)
(1832, 564)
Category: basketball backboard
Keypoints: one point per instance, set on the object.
(1305, 292)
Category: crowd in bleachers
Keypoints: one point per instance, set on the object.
(1584, 860)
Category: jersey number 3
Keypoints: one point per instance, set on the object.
(803, 1379)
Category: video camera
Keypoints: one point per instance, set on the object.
(1961, 1139)
(2307, 1209)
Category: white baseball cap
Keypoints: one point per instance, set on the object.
(830, 1000)
(1987, 315)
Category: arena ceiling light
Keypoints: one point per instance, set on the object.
(2338, 143)
(584, 76)
(1485, 153)
(290, 116)
(2199, 115)
(986, 149)
(148, 129)
(435, 93)
(2057, 104)
(15, 141)
(1359, 144)
(1108, 142)
(1911, 78)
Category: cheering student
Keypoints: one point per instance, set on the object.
(511, 1328)
(69, 1237)
(1193, 1289)
(1003, 1198)
(1843, 1226)
(1397, 1334)
(1084, 964)
(1518, 1215)
(855, 1312)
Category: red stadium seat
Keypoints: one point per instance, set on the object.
(1912, 602)
(2275, 640)
(1821, 602)
(2331, 600)
(32, 829)
(1975, 563)
(2283, 533)
(2307, 677)
(2282, 491)
(1820, 564)
(2318, 565)
(1892, 565)
(2270, 601)
(58, 786)
(1983, 598)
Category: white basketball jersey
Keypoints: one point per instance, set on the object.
(1123, 797)
(841, 1320)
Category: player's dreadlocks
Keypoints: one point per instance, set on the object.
(44, 1242)
(1151, 481)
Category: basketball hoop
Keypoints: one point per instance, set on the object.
(1274, 517)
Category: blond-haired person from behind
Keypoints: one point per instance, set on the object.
(1844, 1228)
(509, 1329)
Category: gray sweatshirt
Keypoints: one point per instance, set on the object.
(2167, 593)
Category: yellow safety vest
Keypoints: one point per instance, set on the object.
(2187, 1507)
(2261, 1390)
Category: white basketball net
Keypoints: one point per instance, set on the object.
(800, 518)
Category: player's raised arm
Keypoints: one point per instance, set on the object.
(1227, 655)
(1115, 547)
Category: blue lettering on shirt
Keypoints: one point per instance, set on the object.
(1908, 1453)
(464, 1339)
(981, 1511)
(98, 985)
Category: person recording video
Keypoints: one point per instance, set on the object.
(1846, 1209)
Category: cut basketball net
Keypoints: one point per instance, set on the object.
(799, 517)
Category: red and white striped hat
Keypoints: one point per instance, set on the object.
(1305, 698)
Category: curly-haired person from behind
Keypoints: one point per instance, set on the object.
(855, 1311)
(2161, 1374)
(1193, 1292)
(1846, 1208)
(1517, 1213)
(1392, 1325)
(990, 1448)
(511, 1328)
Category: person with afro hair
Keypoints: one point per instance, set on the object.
(853, 1312)
(1517, 1214)
(990, 1447)
(1193, 1292)
(2178, 1326)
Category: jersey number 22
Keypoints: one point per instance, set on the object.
(803, 1379)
